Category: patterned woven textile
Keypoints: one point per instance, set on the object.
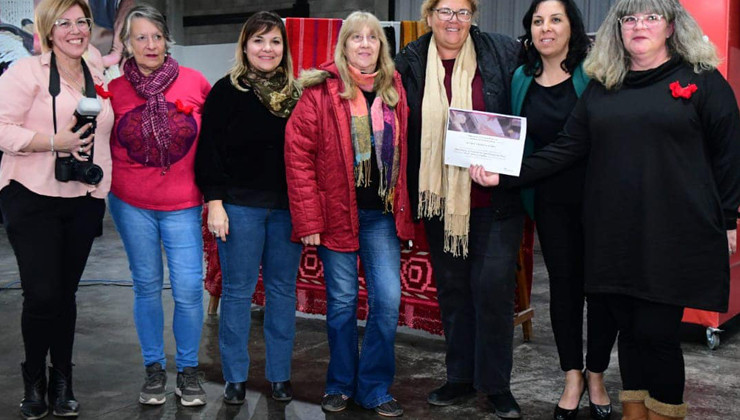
(311, 41)
(419, 307)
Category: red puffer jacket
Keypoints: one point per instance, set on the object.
(319, 163)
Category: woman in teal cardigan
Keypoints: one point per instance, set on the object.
(545, 89)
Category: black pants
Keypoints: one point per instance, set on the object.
(476, 299)
(650, 356)
(51, 238)
(561, 236)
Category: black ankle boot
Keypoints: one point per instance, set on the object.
(33, 405)
(61, 397)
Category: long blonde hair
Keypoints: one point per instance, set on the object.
(608, 62)
(260, 23)
(354, 23)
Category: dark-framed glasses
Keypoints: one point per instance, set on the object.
(445, 13)
(650, 21)
(83, 24)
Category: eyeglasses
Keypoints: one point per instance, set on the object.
(650, 21)
(445, 13)
(358, 38)
(83, 24)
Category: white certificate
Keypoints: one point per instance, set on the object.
(494, 141)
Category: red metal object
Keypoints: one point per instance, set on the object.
(720, 20)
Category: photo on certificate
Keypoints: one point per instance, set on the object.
(495, 141)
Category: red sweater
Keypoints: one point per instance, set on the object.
(145, 186)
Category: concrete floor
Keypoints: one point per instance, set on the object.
(108, 370)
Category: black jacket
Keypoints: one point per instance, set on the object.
(497, 59)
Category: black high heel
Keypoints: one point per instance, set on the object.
(598, 412)
(563, 414)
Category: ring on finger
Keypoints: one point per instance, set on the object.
(82, 149)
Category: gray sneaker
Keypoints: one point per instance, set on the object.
(153, 391)
(189, 389)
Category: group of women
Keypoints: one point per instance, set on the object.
(635, 195)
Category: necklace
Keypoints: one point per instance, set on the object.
(73, 80)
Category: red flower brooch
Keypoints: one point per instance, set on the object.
(679, 91)
(181, 107)
(100, 90)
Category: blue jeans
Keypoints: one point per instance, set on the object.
(366, 376)
(257, 236)
(144, 232)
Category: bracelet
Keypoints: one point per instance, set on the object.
(51, 141)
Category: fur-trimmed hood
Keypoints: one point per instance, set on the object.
(317, 76)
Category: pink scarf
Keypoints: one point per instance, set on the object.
(155, 128)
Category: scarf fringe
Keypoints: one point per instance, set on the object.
(455, 242)
(430, 205)
(362, 174)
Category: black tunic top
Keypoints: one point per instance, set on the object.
(240, 150)
(547, 109)
(662, 185)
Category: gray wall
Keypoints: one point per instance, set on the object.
(505, 16)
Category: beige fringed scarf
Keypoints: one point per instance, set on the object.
(441, 186)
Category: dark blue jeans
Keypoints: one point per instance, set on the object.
(257, 236)
(368, 375)
(476, 299)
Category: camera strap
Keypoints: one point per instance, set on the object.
(55, 87)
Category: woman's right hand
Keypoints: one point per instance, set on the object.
(69, 141)
(218, 220)
(312, 240)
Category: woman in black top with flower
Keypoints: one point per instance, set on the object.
(241, 171)
(661, 130)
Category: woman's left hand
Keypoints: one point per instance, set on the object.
(732, 240)
(483, 177)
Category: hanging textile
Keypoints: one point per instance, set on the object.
(311, 41)
(411, 30)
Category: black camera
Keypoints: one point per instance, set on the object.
(70, 169)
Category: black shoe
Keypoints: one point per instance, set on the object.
(234, 392)
(565, 414)
(188, 388)
(334, 402)
(598, 412)
(33, 405)
(153, 392)
(282, 391)
(61, 397)
(390, 409)
(505, 406)
(450, 393)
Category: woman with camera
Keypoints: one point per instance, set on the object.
(154, 200)
(51, 223)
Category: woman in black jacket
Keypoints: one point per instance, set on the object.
(473, 232)
(240, 169)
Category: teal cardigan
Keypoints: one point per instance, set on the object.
(519, 87)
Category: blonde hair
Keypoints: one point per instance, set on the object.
(260, 23)
(48, 11)
(608, 62)
(427, 8)
(385, 67)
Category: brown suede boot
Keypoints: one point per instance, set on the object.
(662, 411)
(633, 405)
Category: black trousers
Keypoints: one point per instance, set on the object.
(650, 356)
(476, 299)
(561, 237)
(51, 238)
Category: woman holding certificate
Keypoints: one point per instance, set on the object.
(661, 130)
(473, 232)
(546, 88)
